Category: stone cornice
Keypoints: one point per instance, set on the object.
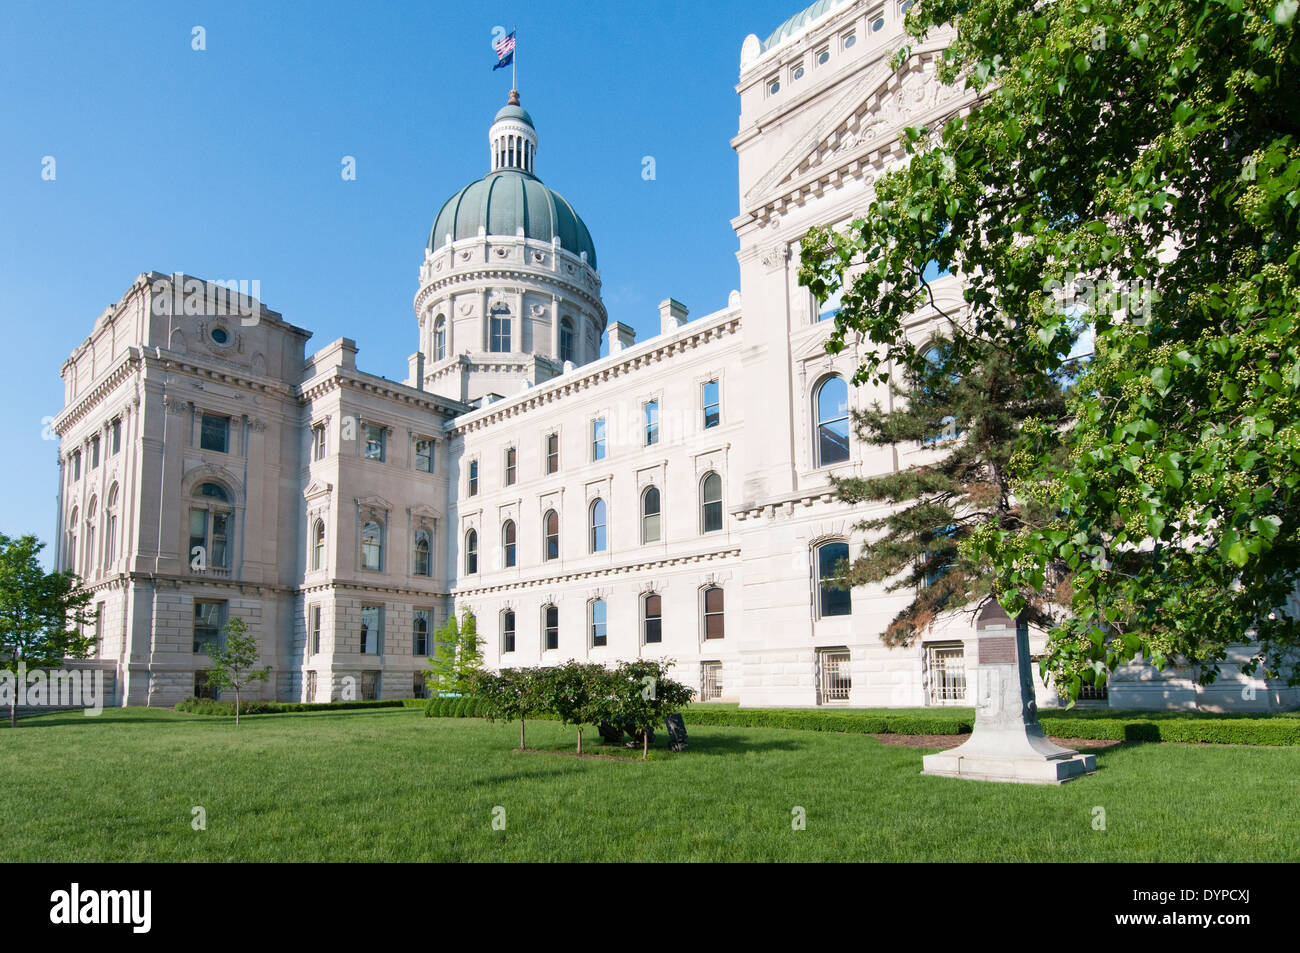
(337, 378)
(657, 349)
(604, 572)
(130, 363)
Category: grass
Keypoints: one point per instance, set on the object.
(391, 785)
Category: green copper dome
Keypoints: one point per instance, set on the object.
(511, 198)
(514, 111)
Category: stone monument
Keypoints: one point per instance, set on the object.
(1007, 744)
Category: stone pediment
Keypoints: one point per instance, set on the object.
(316, 489)
(871, 113)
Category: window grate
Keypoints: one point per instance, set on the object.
(834, 680)
(710, 681)
(946, 667)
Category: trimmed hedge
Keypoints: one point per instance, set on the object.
(1221, 731)
(206, 706)
(454, 707)
(816, 720)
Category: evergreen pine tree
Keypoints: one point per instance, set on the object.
(968, 424)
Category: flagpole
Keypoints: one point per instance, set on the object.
(514, 61)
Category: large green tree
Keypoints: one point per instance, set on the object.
(1136, 165)
(43, 615)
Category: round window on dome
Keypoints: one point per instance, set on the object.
(823, 57)
(850, 40)
(798, 72)
(774, 87)
(220, 335)
(877, 24)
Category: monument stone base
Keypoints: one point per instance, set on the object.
(1007, 743)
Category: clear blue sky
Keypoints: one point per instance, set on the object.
(225, 163)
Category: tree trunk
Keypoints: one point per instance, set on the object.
(521, 734)
(13, 711)
(579, 739)
(236, 707)
(645, 744)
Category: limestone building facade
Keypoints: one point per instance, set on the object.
(663, 498)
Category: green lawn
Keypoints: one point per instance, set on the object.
(392, 785)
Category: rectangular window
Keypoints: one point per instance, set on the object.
(311, 686)
(511, 458)
(419, 689)
(424, 456)
(214, 433)
(598, 630)
(372, 632)
(369, 686)
(598, 439)
(375, 440)
(208, 552)
(473, 478)
(99, 627)
(830, 308)
(209, 617)
(420, 633)
(507, 631)
(552, 627)
(712, 405)
(76, 464)
(651, 423)
(203, 687)
(315, 630)
(117, 435)
(318, 442)
(552, 454)
(94, 451)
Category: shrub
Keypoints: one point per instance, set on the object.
(206, 706)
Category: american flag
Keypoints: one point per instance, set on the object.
(505, 48)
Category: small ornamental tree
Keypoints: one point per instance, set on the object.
(511, 693)
(646, 696)
(578, 693)
(41, 614)
(230, 665)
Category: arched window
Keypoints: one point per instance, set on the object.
(507, 631)
(939, 379)
(598, 539)
(832, 408)
(599, 633)
(650, 515)
(714, 617)
(550, 627)
(423, 563)
(372, 546)
(110, 527)
(499, 330)
(831, 600)
(439, 338)
(711, 503)
(471, 552)
(652, 613)
(551, 535)
(210, 522)
(89, 561)
(566, 339)
(508, 542)
(72, 541)
(318, 545)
